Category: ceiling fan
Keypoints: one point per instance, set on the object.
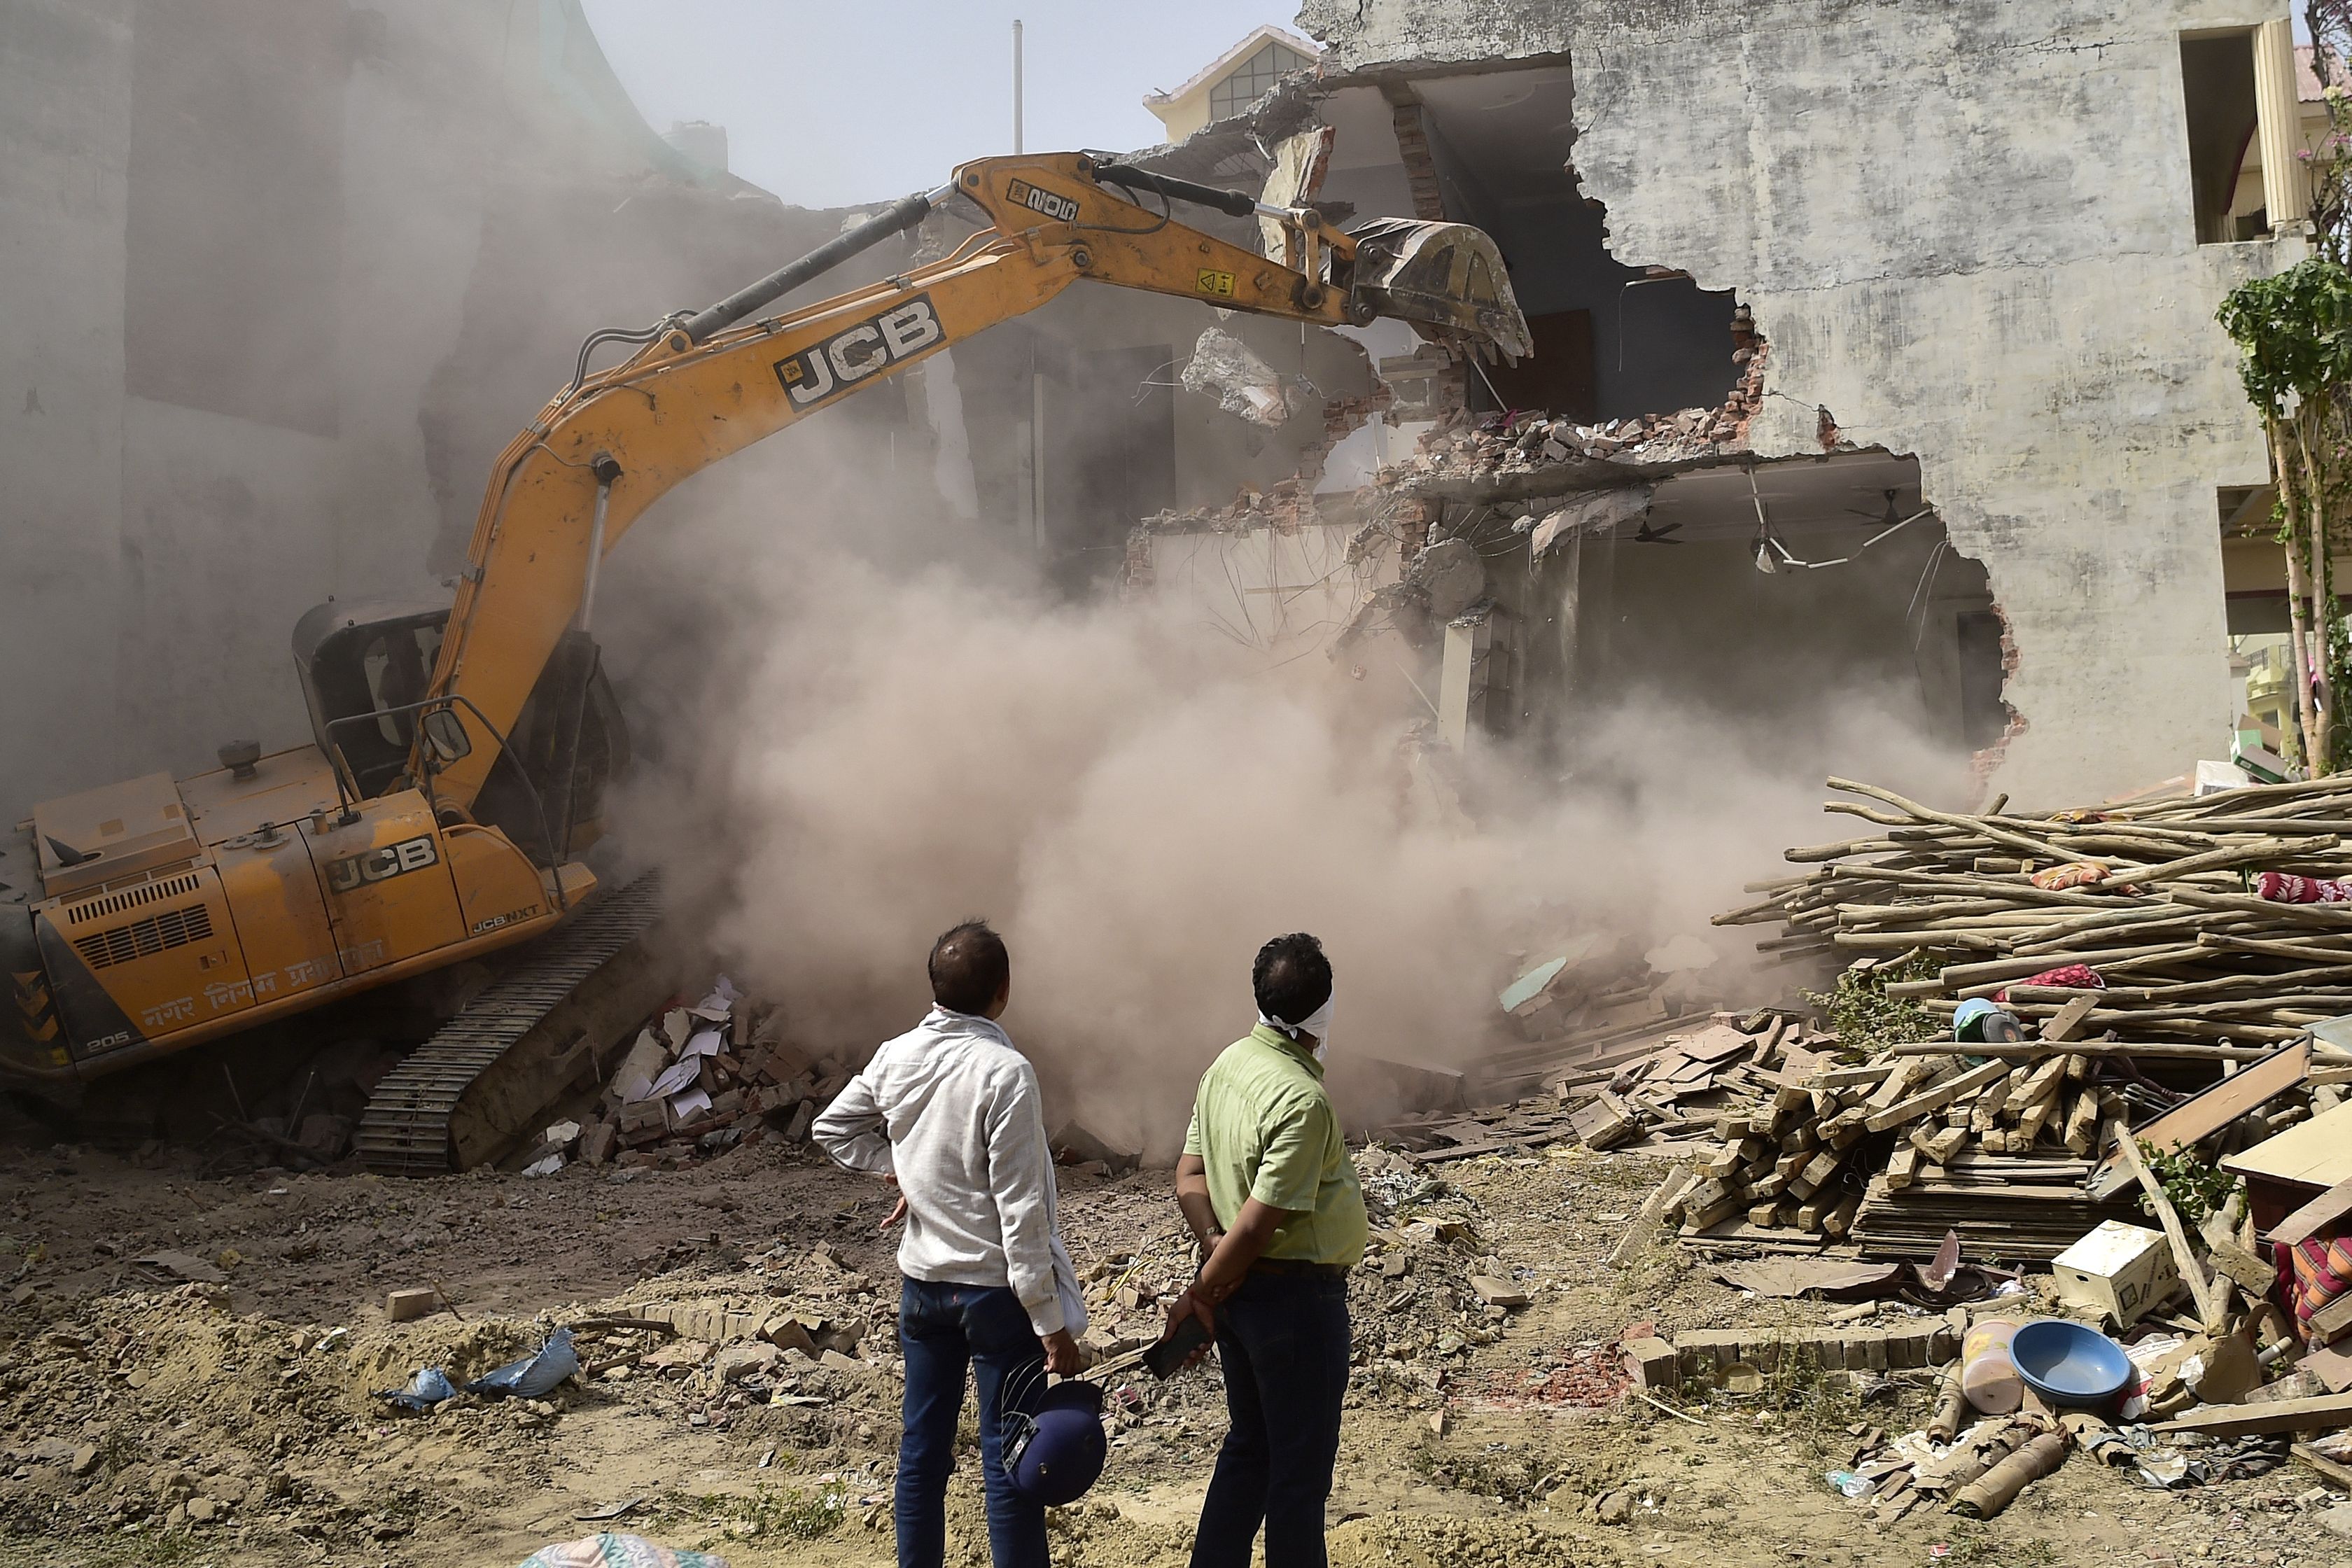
(1889, 520)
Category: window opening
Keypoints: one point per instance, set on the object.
(2217, 88)
(1250, 81)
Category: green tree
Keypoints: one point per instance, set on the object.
(2293, 333)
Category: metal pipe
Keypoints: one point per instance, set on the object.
(1232, 204)
(1016, 87)
(607, 471)
(899, 216)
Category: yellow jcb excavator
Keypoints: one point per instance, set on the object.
(459, 752)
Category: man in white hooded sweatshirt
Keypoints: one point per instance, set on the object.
(952, 1113)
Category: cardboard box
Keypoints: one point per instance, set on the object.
(2124, 1271)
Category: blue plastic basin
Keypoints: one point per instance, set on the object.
(2069, 1364)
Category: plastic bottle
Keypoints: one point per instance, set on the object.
(1847, 1484)
(1988, 1377)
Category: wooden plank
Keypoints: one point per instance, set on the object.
(2314, 1154)
(2331, 1470)
(2253, 1276)
(1908, 1075)
(1714, 1043)
(1938, 1096)
(2211, 1303)
(2326, 1209)
(2329, 1323)
(1863, 1077)
(2272, 1415)
(1650, 1215)
(2033, 1050)
(2205, 1114)
(2070, 1018)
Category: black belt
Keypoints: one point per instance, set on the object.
(1298, 1268)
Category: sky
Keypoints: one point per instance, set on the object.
(833, 105)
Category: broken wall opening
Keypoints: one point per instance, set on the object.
(1782, 601)
(1493, 149)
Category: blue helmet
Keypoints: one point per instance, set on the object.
(1054, 1449)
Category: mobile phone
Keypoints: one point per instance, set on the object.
(1171, 1353)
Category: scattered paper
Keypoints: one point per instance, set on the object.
(1786, 1277)
(679, 1075)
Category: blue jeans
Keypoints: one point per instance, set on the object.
(941, 1329)
(1283, 1341)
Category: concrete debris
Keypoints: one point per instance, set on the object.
(1452, 575)
(696, 1082)
(419, 1301)
(1228, 369)
(1485, 447)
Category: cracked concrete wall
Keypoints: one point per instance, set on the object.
(1966, 228)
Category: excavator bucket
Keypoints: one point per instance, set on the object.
(1446, 278)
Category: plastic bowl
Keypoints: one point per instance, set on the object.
(2069, 1364)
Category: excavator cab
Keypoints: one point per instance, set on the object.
(366, 669)
(360, 659)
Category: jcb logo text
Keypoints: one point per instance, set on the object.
(849, 357)
(376, 865)
(1060, 208)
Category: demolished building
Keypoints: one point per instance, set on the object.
(1780, 308)
(1846, 382)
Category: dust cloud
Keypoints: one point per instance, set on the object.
(854, 755)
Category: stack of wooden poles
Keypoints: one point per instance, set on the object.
(2194, 963)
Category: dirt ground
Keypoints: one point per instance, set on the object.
(147, 1422)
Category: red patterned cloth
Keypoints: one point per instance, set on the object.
(2323, 1272)
(2073, 976)
(2287, 888)
(2077, 874)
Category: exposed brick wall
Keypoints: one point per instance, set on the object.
(1420, 164)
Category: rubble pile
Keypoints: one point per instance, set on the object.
(697, 1081)
(1515, 441)
(1591, 1001)
(1489, 446)
(2050, 1029)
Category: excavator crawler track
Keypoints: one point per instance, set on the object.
(417, 1121)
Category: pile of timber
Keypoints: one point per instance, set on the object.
(1890, 1153)
(2156, 898)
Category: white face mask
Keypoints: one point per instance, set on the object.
(1318, 1024)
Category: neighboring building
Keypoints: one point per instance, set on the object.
(283, 279)
(702, 143)
(1233, 82)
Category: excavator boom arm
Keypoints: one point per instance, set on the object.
(565, 491)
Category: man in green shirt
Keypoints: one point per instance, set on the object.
(1270, 1193)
